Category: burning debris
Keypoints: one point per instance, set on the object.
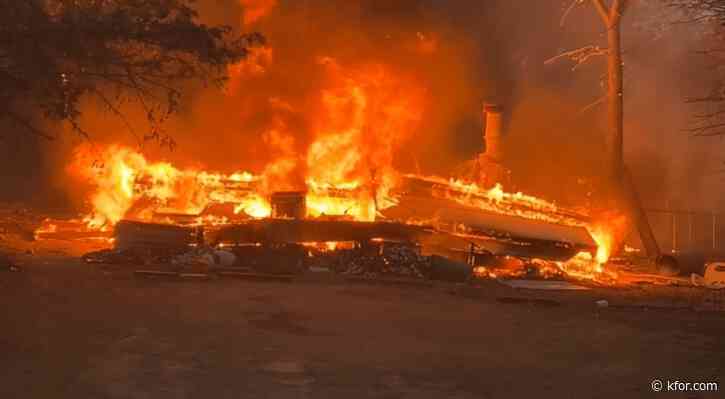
(443, 217)
(388, 260)
(342, 187)
(157, 206)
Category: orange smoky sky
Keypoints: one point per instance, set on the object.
(254, 10)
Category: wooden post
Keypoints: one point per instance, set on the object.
(634, 207)
(615, 97)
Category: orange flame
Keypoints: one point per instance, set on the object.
(124, 180)
(365, 114)
(608, 234)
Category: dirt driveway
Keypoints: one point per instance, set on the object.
(72, 331)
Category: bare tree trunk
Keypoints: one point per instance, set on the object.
(615, 139)
(623, 188)
(615, 96)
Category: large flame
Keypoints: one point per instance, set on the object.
(368, 113)
(364, 115)
(127, 185)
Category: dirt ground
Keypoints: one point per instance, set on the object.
(70, 330)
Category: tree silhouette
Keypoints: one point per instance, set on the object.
(709, 17)
(55, 52)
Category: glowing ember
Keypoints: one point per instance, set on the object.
(584, 266)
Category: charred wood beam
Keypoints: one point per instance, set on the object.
(415, 186)
(130, 234)
(295, 231)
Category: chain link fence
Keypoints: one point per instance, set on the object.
(688, 231)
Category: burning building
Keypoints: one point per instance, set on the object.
(448, 217)
(321, 153)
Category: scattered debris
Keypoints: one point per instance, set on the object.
(151, 236)
(444, 269)
(7, 264)
(667, 265)
(284, 367)
(638, 278)
(130, 256)
(651, 306)
(602, 303)
(386, 259)
(278, 258)
(155, 273)
(195, 276)
(18, 221)
(714, 277)
(205, 256)
(389, 281)
(543, 285)
(258, 276)
(528, 301)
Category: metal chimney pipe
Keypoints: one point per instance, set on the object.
(493, 130)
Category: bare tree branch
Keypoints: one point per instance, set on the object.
(568, 11)
(711, 114)
(25, 123)
(602, 10)
(579, 56)
(616, 11)
(600, 101)
(707, 130)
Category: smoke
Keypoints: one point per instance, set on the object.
(454, 55)
(662, 68)
(256, 9)
(556, 138)
(280, 87)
